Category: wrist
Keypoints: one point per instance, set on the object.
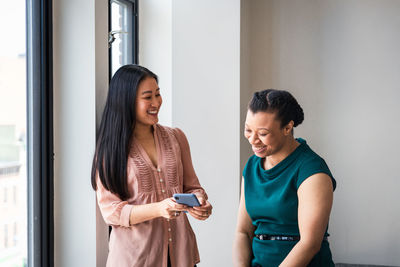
(158, 210)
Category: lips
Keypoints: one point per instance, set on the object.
(152, 112)
(259, 149)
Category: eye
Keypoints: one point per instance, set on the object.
(263, 134)
(158, 95)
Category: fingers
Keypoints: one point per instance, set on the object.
(174, 214)
(174, 210)
(206, 207)
(202, 200)
(175, 206)
(171, 214)
(170, 209)
(194, 215)
(202, 212)
(199, 215)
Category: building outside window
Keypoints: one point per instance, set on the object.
(5, 238)
(13, 178)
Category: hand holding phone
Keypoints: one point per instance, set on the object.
(187, 199)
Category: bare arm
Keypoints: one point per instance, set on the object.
(242, 252)
(315, 202)
(166, 208)
(118, 212)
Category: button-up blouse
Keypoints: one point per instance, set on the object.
(147, 243)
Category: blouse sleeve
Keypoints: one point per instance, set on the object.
(113, 209)
(191, 183)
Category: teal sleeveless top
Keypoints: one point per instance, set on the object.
(271, 202)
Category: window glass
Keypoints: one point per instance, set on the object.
(13, 207)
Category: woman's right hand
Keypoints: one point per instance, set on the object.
(169, 209)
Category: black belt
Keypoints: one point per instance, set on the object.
(282, 237)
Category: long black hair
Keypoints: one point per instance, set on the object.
(279, 101)
(116, 130)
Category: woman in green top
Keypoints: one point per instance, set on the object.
(287, 190)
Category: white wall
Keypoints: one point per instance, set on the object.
(80, 82)
(155, 48)
(206, 91)
(340, 59)
(204, 61)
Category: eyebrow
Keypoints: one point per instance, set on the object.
(259, 128)
(150, 92)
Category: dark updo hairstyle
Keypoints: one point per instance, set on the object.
(116, 129)
(280, 102)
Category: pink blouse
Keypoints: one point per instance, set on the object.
(147, 243)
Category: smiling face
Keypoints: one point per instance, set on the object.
(265, 133)
(148, 102)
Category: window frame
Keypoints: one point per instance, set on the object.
(40, 147)
(135, 33)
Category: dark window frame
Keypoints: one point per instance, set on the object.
(135, 34)
(40, 164)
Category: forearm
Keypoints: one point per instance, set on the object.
(145, 212)
(300, 255)
(242, 252)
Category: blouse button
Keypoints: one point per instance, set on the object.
(170, 240)
(158, 169)
(163, 190)
(161, 180)
(169, 229)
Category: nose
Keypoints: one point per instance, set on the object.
(155, 102)
(253, 139)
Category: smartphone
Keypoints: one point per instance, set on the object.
(187, 199)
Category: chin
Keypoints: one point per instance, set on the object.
(260, 155)
(263, 154)
(152, 121)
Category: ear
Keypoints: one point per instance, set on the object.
(288, 128)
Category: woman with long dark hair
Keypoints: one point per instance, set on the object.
(287, 190)
(137, 167)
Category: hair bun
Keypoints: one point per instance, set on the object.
(299, 115)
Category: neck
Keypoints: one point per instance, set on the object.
(143, 131)
(283, 153)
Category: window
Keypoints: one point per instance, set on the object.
(39, 133)
(5, 194)
(26, 134)
(15, 190)
(13, 129)
(123, 33)
(15, 238)
(5, 236)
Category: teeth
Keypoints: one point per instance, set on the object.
(153, 112)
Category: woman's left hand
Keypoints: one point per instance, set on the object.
(201, 212)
